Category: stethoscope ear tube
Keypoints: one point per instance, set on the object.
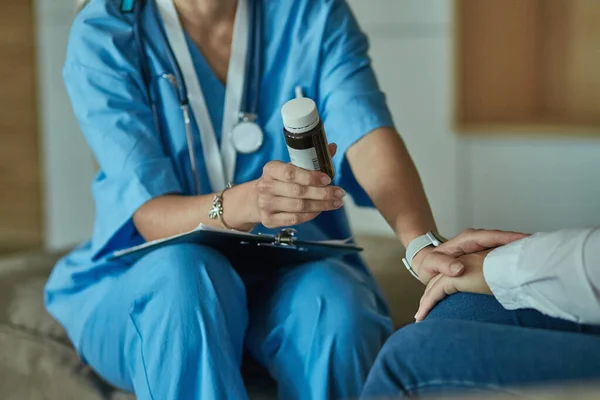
(255, 34)
(137, 33)
(256, 46)
(252, 85)
(185, 109)
(179, 84)
(247, 133)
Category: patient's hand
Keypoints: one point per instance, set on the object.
(469, 250)
(472, 280)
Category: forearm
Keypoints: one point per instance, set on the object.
(382, 166)
(174, 214)
(556, 273)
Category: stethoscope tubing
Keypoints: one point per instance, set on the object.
(179, 84)
(253, 62)
(255, 34)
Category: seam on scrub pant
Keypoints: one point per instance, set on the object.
(88, 292)
(142, 355)
(459, 384)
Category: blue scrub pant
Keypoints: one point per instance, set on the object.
(175, 324)
(470, 343)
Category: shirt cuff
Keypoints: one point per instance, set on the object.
(500, 270)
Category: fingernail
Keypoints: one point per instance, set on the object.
(339, 193)
(325, 180)
(337, 203)
(456, 267)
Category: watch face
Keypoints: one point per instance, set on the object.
(436, 236)
(435, 239)
(439, 237)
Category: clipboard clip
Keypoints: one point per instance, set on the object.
(285, 237)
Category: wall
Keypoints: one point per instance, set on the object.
(20, 197)
(411, 51)
(505, 181)
(495, 182)
(67, 161)
(532, 184)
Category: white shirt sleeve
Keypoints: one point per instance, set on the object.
(556, 273)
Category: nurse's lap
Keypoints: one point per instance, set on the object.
(319, 300)
(179, 277)
(165, 282)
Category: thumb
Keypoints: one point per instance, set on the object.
(436, 262)
(332, 149)
(437, 291)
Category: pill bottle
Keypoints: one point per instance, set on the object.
(305, 136)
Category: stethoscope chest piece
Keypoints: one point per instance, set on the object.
(246, 135)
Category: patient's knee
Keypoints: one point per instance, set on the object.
(471, 307)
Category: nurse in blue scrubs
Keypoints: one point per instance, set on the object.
(175, 323)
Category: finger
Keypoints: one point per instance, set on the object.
(332, 149)
(289, 173)
(295, 190)
(436, 262)
(278, 220)
(279, 204)
(476, 240)
(441, 288)
(430, 285)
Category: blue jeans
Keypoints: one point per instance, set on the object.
(470, 343)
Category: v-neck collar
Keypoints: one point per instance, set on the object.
(212, 87)
(201, 63)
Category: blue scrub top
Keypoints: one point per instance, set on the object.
(315, 44)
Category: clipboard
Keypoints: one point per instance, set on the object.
(248, 250)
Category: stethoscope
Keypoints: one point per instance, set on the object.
(246, 135)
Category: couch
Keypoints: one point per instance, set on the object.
(38, 362)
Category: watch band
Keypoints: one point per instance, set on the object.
(217, 209)
(418, 244)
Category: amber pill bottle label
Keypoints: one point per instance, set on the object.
(306, 159)
(305, 137)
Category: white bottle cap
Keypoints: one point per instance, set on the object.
(300, 115)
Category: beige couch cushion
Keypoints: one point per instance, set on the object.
(36, 358)
(38, 362)
(22, 280)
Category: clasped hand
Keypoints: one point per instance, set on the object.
(288, 195)
(457, 265)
